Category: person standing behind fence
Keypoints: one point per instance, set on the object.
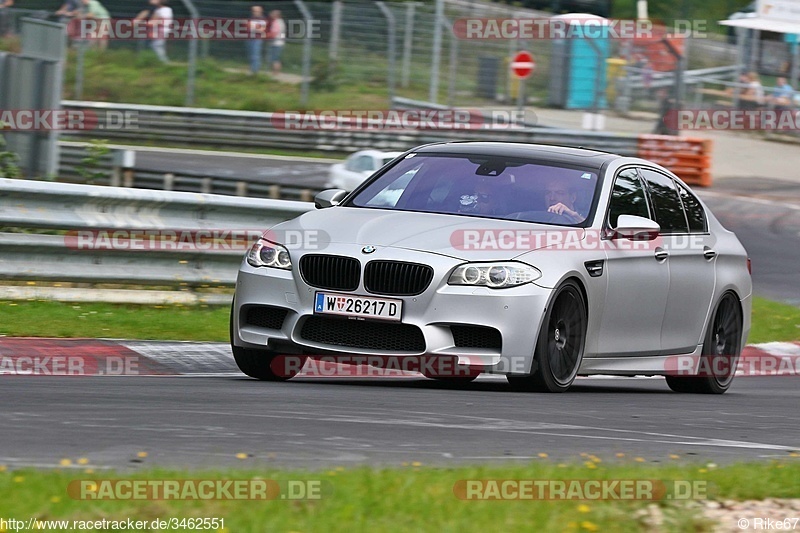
(93, 9)
(277, 32)
(162, 15)
(5, 5)
(68, 11)
(258, 28)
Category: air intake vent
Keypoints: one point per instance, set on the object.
(263, 316)
(476, 337)
(370, 335)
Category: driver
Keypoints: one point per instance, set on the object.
(560, 199)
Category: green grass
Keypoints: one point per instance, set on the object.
(127, 76)
(772, 321)
(55, 319)
(412, 498)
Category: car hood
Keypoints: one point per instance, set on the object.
(461, 237)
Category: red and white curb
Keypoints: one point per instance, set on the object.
(21, 356)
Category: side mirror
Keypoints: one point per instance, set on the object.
(636, 228)
(329, 198)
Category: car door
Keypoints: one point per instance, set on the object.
(691, 261)
(638, 282)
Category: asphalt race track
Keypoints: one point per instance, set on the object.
(205, 422)
(198, 421)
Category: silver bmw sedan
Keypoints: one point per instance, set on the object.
(536, 262)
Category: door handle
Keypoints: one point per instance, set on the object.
(708, 253)
(661, 254)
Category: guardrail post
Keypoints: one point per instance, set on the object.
(275, 191)
(169, 181)
(122, 161)
(205, 186)
(241, 188)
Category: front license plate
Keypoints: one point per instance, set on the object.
(329, 303)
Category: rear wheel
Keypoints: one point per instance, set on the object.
(560, 345)
(721, 349)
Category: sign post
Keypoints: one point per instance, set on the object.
(522, 66)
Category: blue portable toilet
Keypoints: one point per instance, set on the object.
(578, 62)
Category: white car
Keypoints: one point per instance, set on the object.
(358, 167)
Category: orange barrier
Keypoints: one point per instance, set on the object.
(689, 158)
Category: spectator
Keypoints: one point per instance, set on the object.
(5, 5)
(93, 9)
(258, 26)
(162, 14)
(783, 94)
(753, 96)
(68, 11)
(277, 32)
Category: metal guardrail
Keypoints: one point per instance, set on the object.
(27, 208)
(170, 126)
(115, 172)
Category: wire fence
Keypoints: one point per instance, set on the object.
(409, 49)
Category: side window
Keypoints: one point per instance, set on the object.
(627, 197)
(666, 203)
(695, 213)
(365, 163)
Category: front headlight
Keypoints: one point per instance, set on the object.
(268, 254)
(494, 275)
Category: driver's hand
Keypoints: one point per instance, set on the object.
(561, 209)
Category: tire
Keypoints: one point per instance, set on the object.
(723, 339)
(560, 344)
(259, 363)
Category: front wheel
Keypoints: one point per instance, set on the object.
(560, 345)
(721, 349)
(267, 365)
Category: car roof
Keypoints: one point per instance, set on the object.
(541, 152)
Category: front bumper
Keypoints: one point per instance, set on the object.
(516, 313)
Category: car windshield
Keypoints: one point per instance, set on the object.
(484, 186)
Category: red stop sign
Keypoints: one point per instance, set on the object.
(523, 64)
